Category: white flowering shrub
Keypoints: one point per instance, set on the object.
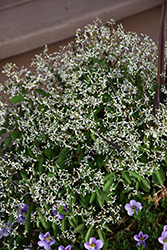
(82, 134)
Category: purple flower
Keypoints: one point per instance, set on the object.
(65, 248)
(46, 241)
(133, 206)
(164, 228)
(60, 216)
(141, 238)
(163, 238)
(93, 244)
(5, 230)
(22, 214)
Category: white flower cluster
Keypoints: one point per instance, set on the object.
(95, 98)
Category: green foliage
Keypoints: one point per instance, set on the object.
(82, 140)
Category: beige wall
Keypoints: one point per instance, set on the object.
(145, 22)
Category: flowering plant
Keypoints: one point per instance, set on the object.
(81, 137)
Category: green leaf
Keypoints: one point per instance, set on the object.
(93, 136)
(41, 217)
(72, 223)
(126, 177)
(28, 217)
(42, 92)
(101, 196)
(16, 134)
(30, 152)
(8, 141)
(23, 175)
(107, 228)
(108, 176)
(101, 235)
(98, 192)
(18, 239)
(17, 99)
(50, 152)
(160, 176)
(11, 219)
(137, 185)
(41, 168)
(62, 157)
(3, 131)
(108, 184)
(93, 195)
(82, 203)
(64, 224)
(37, 222)
(135, 175)
(61, 210)
(75, 219)
(55, 228)
(88, 234)
(107, 242)
(145, 185)
(79, 228)
(79, 153)
(100, 160)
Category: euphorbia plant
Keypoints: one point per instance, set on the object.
(82, 140)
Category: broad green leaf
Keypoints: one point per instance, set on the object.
(55, 228)
(23, 175)
(137, 185)
(42, 220)
(108, 176)
(98, 192)
(18, 239)
(37, 222)
(107, 242)
(100, 200)
(3, 131)
(75, 219)
(62, 157)
(160, 176)
(145, 185)
(79, 228)
(17, 99)
(93, 195)
(50, 175)
(100, 160)
(48, 225)
(82, 203)
(108, 184)
(16, 134)
(93, 136)
(101, 235)
(42, 92)
(28, 217)
(61, 210)
(88, 234)
(50, 152)
(135, 175)
(126, 177)
(41, 168)
(8, 141)
(30, 152)
(107, 228)
(72, 223)
(64, 224)
(11, 240)
(11, 219)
